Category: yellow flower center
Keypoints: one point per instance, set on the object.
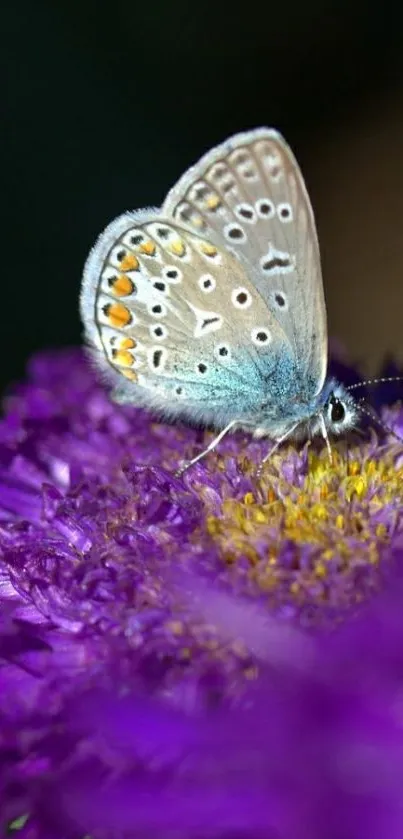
(335, 523)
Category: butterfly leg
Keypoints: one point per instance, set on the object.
(325, 437)
(274, 448)
(209, 448)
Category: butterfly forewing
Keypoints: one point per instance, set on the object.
(248, 196)
(178, 320)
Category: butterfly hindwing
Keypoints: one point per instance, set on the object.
(178, 321)
(249, 195)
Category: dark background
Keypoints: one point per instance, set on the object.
(106, 103)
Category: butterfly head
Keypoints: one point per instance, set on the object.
(337, 410)
(331, 412)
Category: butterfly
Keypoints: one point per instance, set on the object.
(211, 309)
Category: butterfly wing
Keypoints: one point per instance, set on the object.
(249, 194)
(178, 324)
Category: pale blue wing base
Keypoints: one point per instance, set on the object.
(266, 403)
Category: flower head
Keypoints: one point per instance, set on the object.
(197, 656)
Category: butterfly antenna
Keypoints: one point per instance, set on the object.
(370, 413)
(383, 380)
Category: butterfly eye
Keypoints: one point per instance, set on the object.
(337, 411)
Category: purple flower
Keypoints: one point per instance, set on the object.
(208, 657)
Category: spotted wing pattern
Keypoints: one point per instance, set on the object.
(178, 322)
(248, 195)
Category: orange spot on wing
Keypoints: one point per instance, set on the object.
(130, 263)
(117, 314)
(122, 285)
(129, 374)
(209, 250)
(148, 248)
(178, 247)
(127, 344)
(123, 358)
(213, 202)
